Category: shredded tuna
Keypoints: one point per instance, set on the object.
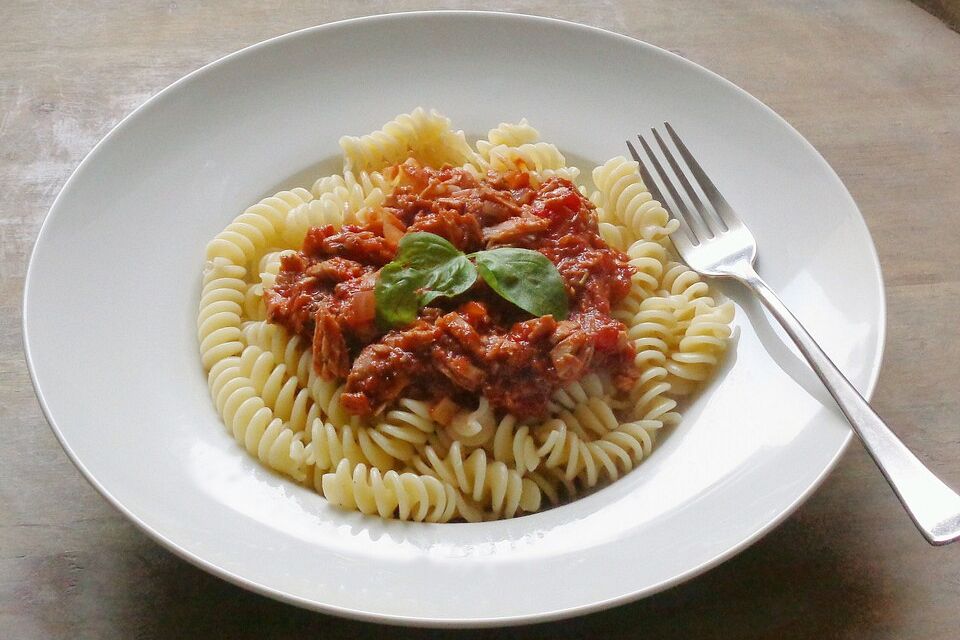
(476, 343)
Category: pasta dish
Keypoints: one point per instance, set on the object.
(454, 332)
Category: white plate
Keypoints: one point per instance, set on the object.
(112, 290)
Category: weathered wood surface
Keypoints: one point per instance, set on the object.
(875, 86)
(946, 10)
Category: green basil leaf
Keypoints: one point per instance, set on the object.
(426, 268)
(396, 296)
(423, 251)
(526, 278)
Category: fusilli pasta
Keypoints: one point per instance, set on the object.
(426, 136)
(406, 496)
(624, 198)
(435, 462)
(500, 491)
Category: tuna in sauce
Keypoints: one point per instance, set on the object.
(476, 343)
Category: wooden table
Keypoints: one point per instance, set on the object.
(875, 86)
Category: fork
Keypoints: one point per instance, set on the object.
(713, 241)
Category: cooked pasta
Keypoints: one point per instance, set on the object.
(514, 446)
(554, 484)
(221, 300)
(324, 210)
(457, 456)
(252, 423)
(406, 496)
(426, 136)
(541, 159)
(615, 235)
(329, 445)
(473, 428)
(500, 492)
(282, 393)
(509, 135)
(624, 198)
(244, 239)
(580, 457)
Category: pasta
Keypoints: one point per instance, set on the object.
(507, 135)
(499, 492)
(406, 496)
(244, 239)
(623, 198)
(581, 457)
(329, 445)
(514, 446)
(281, 393)
(252, 423)
(435, 460)
(218, 324)
(473, 428)
(426, 136)
(541, 159)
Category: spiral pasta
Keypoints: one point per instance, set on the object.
(404, 430)
(588, 441)
(363, 445)
(554, 484)
(541, 159)
(616, 235)
(353, 187)
(253, 305)
(650, 260)
(221, 304)
(281, 392)
(509, 135)
(575, 393)
(502, 492)
(594, 415)
(337, 200)
(245, 239)
(326, 210)
(406, 496)
(426, 136)
(452, 459)
(292, 351)
(514, 446)
(700, 347)
(473, 428)
(624, 198)
(252, 423)
(580, 457)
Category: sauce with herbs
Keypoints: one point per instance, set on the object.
(477, 342)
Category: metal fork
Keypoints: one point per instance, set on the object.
(713, 241)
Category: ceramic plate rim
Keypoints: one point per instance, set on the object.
(374, 616)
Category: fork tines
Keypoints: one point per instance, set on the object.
(695, 203)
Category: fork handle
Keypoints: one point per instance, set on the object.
(933, 506)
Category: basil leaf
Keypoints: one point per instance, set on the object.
(526, 278)
(426, 267)
(424, 251)
(396, 296)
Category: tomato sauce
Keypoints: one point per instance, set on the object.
(477, 342)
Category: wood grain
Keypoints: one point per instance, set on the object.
(946, 10)
(875, 86)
